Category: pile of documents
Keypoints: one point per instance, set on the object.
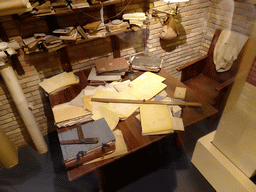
(155, 119)
(95, 29)
(146, 87)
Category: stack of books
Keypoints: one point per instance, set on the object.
(117, 26)
(68, 33)
(108, 69)
(135, 18)
(95, 29)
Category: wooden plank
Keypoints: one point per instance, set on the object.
(195, 104)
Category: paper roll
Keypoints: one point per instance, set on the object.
(8, 153)
(21, 103)
(9, 5)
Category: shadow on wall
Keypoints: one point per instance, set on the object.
(170, 45)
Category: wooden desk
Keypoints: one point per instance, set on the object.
(131, 127)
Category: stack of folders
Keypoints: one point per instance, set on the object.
(74, 154)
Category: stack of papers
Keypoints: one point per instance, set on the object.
(155, 119)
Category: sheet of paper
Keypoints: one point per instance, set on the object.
(121, 109)
(111, 117)
(155, 119)
(87, 102)
(122, 86)
(91, 90)
(145, 88)
(103, 94)
(177, 123)
(147, 74)
(59, 81)
(78, 100)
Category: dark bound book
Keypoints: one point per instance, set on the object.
(146, 63)
(99, 129)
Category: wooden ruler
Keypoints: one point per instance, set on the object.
(183, 103)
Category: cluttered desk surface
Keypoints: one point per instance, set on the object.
(131, 127)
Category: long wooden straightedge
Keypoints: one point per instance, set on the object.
(193, 104)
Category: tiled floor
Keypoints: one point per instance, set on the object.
(163, 166)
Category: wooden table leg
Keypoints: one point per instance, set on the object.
(100, 174)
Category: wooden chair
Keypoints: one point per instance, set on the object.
(201, 76)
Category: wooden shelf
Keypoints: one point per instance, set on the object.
(63, 9)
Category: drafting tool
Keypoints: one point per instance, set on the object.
(193, 104)
(81, 139)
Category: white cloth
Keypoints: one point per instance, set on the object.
(227, 48)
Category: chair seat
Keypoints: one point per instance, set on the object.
(205, 87)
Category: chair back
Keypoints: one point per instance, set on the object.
(210, 70)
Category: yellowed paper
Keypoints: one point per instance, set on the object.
(91, 90)
(66, 112)
(87, 102)
(111, 117)
(122, 86)
(9, 7)
(121, 109)
(155, 119)
(59, 81)
(145, 87)
(103, 94)
(177, 123)
(147, 74)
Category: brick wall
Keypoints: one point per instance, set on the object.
(238, 16)
(196, 23)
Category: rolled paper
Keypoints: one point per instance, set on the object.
(21, 103)
(8, 153)
(13, 5)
